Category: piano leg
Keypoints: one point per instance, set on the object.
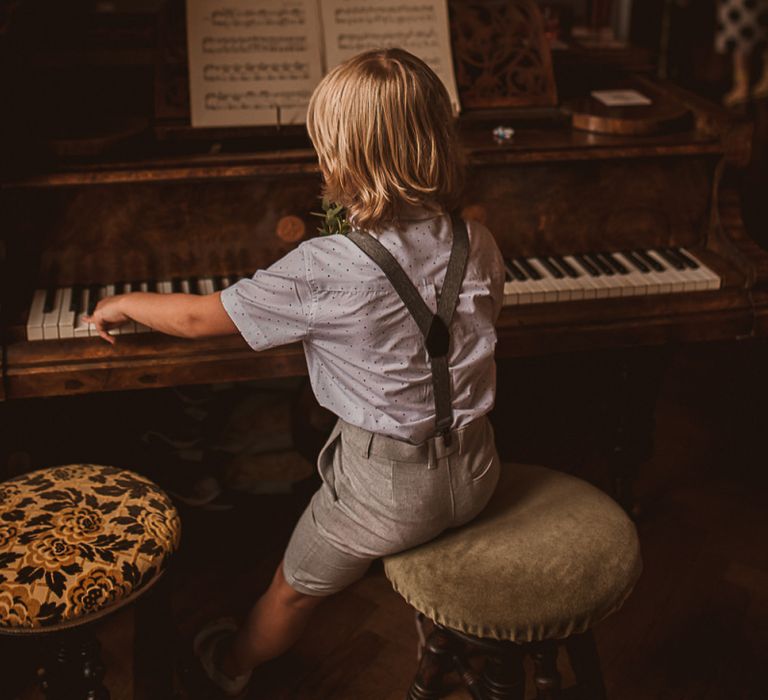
(637, 378)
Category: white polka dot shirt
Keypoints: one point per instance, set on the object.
(366, 356)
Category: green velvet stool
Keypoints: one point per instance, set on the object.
(549, 557)
(76, 543)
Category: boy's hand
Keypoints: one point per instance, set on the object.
(106, 315)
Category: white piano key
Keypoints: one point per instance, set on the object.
(186, 288)
(678, 281)
(165, 287)
(602, 282)
(51, 319)
(691, 280)
(205, 285)
(574, 291)
(550, 286)
(661, 282)
(711, 278)
(613, 284)
(510, 294)
(562, 285)
(584, 282)
(531, 291)
(66, 315)
(637, 283)
(130, 327)
(83, 329)
(107, 290)
(35, 317)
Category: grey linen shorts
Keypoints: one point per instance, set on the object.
(380, 496)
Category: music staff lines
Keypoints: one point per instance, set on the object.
(230, 18)
(371, 40)
(250, 44)
(385, 14)
(255, 72)
(251, 99)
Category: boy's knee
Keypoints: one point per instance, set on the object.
(289, 596)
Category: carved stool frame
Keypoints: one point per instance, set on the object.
(503, 676)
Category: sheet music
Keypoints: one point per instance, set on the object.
(418, 26)
(252, 63)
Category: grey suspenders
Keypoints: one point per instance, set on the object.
(434, 327)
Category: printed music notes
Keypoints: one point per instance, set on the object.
(252, 63)
(257, 63)
(418, 26)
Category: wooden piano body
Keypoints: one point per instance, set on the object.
(163, 212)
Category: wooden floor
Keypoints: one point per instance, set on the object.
(695, 628)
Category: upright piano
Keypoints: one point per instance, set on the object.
(621, 228)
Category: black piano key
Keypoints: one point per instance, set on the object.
(553, 270)
(176, 285)
(670, 258)
(615, 264)
(655, 264)
(603, 266)
(218, 283)
(687, 259)
(589, 268)
(152, 286)
(93, 297)
(119, 287)
(194, 285)
(529, 269)
(566, 267)
(50, 295)
(134, 286)
(636, 261)
(76, 299)
(515, 270)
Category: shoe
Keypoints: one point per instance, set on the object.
(206, 646)
(199, 493)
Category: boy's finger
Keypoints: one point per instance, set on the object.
(109, 338)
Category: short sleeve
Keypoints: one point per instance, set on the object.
(498, 276)
(274, 306)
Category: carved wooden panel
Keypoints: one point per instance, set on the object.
(500, 54)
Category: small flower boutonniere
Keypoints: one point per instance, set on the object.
(334, 219)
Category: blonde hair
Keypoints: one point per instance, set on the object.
(382, 126)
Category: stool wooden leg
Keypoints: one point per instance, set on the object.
(585, 662)
(74, 670)
(436, 661)
(504, 675)
(546, 677)
(469, 678)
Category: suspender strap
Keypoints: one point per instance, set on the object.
(434, 327)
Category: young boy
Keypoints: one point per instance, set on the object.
(412, 453)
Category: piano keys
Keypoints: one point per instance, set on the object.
(565, 278)
(59, 313)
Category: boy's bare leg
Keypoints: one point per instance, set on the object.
(272, 626)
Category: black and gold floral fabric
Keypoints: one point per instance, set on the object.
(78, 539)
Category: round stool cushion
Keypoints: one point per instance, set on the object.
(78, 541)
(549, 556)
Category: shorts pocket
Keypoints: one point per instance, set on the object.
(325, 462)
(476, 476)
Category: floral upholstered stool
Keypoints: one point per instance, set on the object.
(76, 543)
(548, 558)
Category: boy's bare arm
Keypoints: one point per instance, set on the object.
(182, 315)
